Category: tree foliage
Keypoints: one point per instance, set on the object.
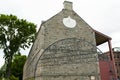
(2, 71)
(14, 34)
(17, 65)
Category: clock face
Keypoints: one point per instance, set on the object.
(69, 22)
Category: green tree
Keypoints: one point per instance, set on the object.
(14, 34)
(2, 71)
(17, 65)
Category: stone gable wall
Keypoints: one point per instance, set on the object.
(62, 53)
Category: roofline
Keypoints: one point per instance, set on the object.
(109, 38)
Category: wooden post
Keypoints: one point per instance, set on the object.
(112, 58)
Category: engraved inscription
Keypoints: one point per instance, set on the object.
(64, 53)
(69, 51)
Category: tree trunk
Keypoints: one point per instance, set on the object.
(8, 68)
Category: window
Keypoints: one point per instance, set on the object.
(117, 56)
(117, 71)
(115, 63)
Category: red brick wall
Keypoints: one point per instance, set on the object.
(106, 70)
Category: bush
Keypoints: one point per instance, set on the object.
(13, 78)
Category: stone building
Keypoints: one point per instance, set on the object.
(65, 49)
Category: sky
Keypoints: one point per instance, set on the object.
(101, 15)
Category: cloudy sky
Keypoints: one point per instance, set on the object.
(102, 15)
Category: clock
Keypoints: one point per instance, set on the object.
(69, 22)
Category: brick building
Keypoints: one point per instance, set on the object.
(107, 71)
(116, 52)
